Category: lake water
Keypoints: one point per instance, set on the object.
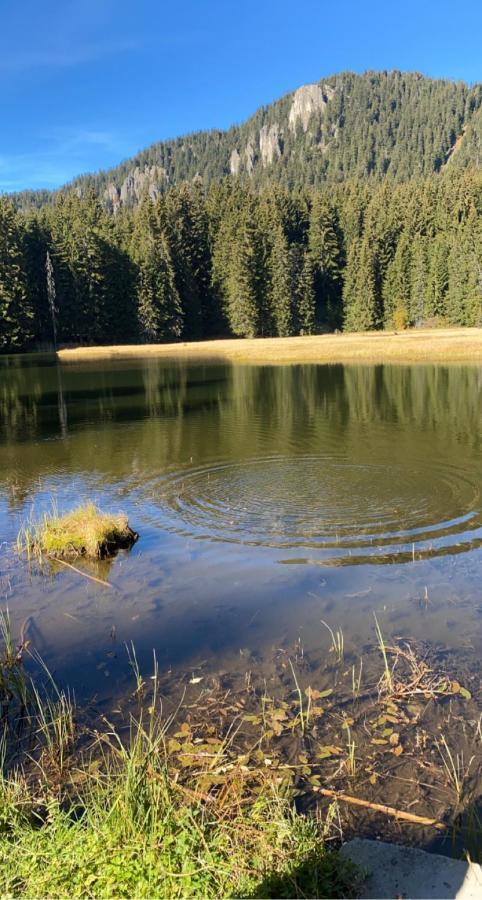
(267, 499)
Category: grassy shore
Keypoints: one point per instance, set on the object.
(193, 793)
(114, 811)
(444, 345)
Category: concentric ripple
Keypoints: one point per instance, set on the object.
(346, 512)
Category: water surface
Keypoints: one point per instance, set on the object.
(267, 499)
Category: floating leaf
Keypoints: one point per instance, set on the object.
(455, 687)
(195, 680)
(317, 711)
(373, 779)
(278, 714)
(173, 746)
(465, 693)
(379, 741)
(387, 732)
(398, 750)
(251, 718)
(394, 739)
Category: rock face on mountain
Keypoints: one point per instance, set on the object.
(270, 143)
(308, 100)
(136, 184)
(235, 162)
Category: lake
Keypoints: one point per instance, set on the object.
(269, 501)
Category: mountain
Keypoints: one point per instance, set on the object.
(345, 126)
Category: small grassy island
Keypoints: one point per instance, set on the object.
(85, 531)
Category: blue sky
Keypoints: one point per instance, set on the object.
(85, 83)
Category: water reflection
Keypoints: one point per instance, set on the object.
(227, 471)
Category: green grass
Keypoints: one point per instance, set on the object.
(130, 831)
(123, 818)
(85, 531)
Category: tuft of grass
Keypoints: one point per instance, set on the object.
(454, 766)
(337, 642)
(85, 531)
(350, 761)
(356, 680)
(387, 675)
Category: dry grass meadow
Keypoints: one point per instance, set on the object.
(444, 345)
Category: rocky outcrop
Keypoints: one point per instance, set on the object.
(307, 100)
(250, 156)
(270, 143)
(112, 196)
(135, 185)
(235, 162)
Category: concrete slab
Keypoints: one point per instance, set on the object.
(405, 872)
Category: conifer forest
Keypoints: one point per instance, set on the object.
(367, 215)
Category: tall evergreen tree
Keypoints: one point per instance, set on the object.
(244, 281)
(281, 285)
(324, 242)
(159, 308)
(16, 313)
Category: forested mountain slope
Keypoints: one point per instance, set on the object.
(354, 203)
(345, 126)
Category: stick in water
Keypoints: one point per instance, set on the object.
(85, 575)
(380, 807)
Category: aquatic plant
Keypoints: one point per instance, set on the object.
(337, 642)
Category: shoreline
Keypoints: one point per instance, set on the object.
(445, 346)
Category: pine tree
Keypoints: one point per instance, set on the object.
(159, 307)
(418, 280)
(326, 255)
(244, 280)
(396, 287)
(281, 288)
(361, 307)
(16, 313)
(438, 278)
(305, 295)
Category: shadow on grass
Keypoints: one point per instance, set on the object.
(322, 874)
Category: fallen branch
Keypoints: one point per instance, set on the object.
(380, 807)
(84, 574)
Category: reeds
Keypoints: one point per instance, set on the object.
(455, 767)
(387, 675)
(337, 642)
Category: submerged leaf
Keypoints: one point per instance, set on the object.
(328, 750)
